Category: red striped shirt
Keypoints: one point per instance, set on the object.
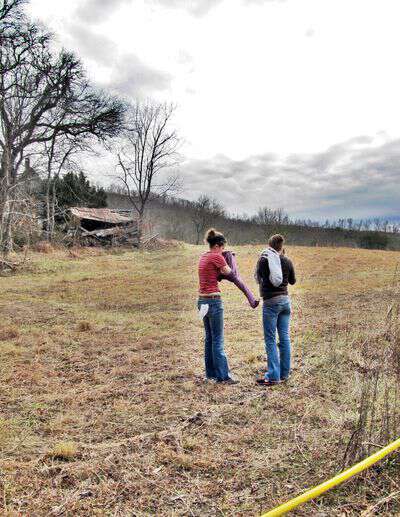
(210, 266)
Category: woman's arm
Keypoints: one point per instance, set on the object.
(226, 270)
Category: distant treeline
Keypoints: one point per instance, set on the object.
(175, 218)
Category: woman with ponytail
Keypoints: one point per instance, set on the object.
(212, 264)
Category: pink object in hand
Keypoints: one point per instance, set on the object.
(234, 277)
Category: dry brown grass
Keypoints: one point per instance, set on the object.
(84, 326)
(66, 451)
(43, 247)
(8, 333)
(108, 357)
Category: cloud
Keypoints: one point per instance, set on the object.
(91, 44)
(133, 78)
(202, 7)
(263, 2)
(128, 75)
(357, 178)
(96, 11)
(195, 7)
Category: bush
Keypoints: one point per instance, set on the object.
(23, 238)
(374, 241)
(43, 247)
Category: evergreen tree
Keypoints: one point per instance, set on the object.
(76, 190)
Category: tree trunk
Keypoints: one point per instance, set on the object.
(48, 210)
(6, 242)
(140, 223)
(53, 211)
(6, 228)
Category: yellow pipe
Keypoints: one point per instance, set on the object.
(331, 483)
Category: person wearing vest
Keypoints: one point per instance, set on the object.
(273, 273)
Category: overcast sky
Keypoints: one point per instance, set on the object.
(285, 103)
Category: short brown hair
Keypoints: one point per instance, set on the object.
(276, 242)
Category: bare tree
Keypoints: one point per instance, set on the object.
(271, 217)
(204, 213)
(377, 222)
(367, 224)
(148, 149)
(57, 155)
(11, 15)
(42, 94)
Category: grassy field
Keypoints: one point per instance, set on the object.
(104, 410)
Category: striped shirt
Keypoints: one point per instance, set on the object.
(210, 266)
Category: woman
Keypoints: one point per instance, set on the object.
(211, 265)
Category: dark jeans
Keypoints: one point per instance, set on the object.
(277, 318)
(214, 354)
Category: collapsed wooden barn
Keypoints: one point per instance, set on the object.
(95, 226)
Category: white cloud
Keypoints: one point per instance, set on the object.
(356, 178)
(258, 79)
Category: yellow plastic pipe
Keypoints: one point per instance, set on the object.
(331, 483)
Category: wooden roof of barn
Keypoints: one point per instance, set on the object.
(104, 215)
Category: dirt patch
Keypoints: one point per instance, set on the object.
(8, 333)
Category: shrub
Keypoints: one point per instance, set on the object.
(374, 241)
(378, 364)
(43, 247)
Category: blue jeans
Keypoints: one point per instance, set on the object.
(214, 354)
(277, 318)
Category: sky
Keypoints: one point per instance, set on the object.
(289, 104)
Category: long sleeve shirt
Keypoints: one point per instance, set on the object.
(267, 290)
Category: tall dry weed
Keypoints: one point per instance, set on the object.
(378, 421)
